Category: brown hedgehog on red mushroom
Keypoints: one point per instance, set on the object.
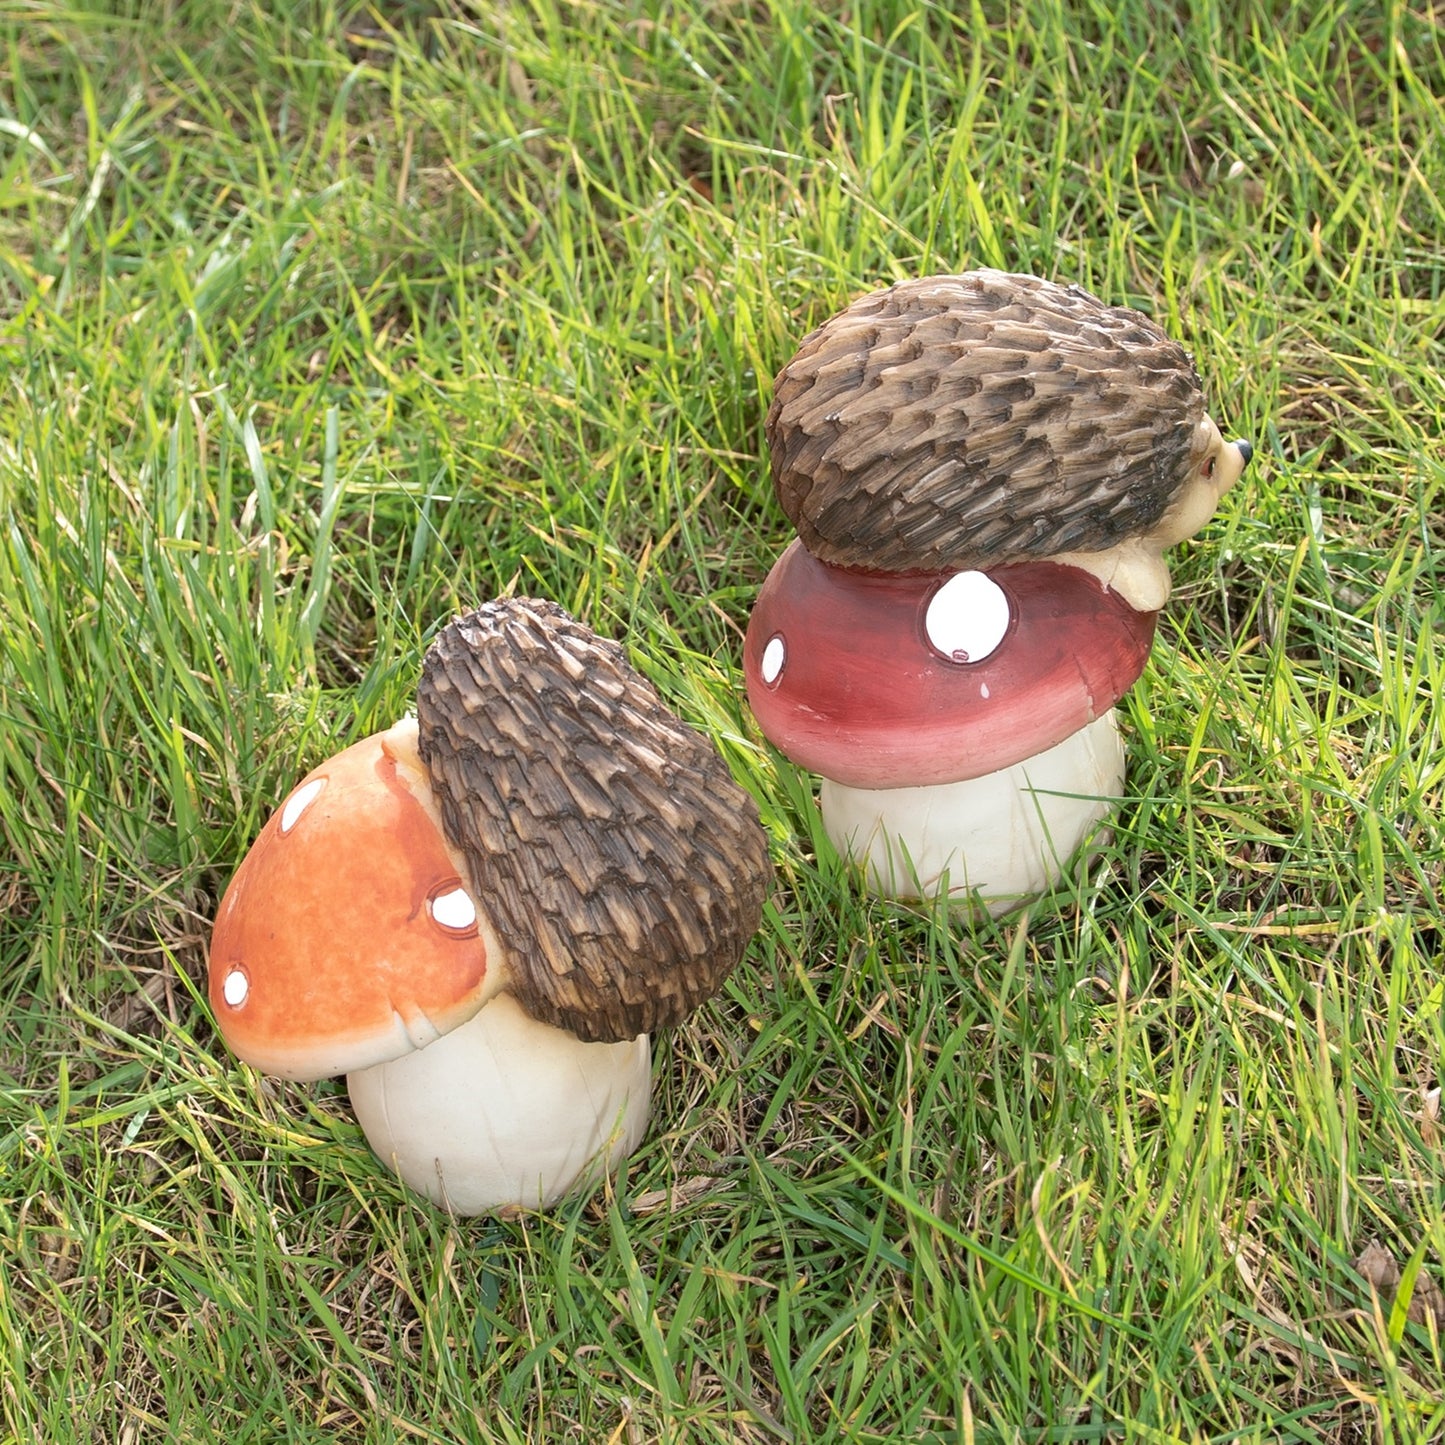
(984, 471)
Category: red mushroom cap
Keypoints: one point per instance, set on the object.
(895, 680)
(347, 936)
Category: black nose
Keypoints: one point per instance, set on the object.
(1245, 449)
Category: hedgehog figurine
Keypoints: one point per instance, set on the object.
(481, 914)
(984, 472)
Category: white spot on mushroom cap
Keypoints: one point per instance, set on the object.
(775, 654)
(236, 988)
(967, 617)
(299, 801)
(454, 909)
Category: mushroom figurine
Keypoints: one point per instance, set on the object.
(481, 914)
(984, 472)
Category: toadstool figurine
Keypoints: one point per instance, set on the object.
(984, 471)
(480, 914)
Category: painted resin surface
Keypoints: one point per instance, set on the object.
(505, 1111)
(1004, 837)
(848, 675)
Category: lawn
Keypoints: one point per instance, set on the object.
(321, 324)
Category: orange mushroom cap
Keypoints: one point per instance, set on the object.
(347, 936)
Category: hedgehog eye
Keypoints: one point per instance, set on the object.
(1210, 465)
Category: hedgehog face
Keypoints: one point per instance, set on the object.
(1215, 466)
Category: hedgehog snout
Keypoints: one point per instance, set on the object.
(1245, 450)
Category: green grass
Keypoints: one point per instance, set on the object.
(318, 324)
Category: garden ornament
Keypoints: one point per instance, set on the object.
(480, 915)
(984, 471)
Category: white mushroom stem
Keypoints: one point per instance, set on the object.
(505, 1111)
(1004, 837)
